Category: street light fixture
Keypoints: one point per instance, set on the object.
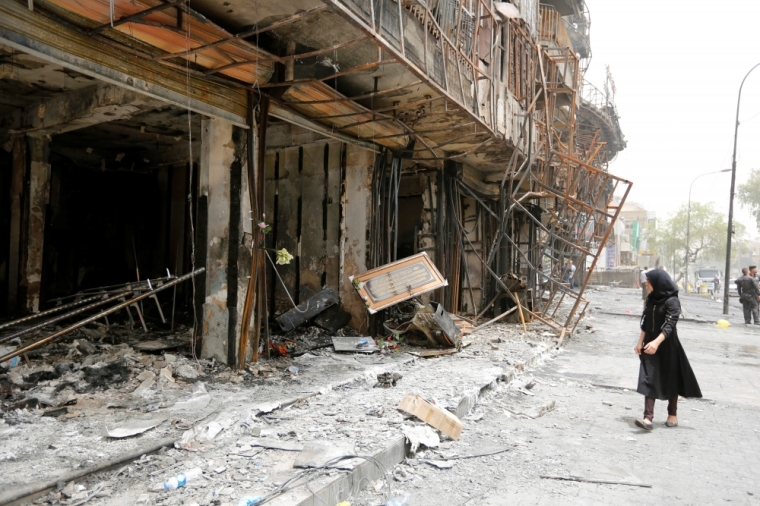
(688, 225)
(730, 231)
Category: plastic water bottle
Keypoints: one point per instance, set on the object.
(249, 501)
(181, 479)
(400, 500)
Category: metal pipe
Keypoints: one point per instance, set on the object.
(50, 311)
(101, 314)
(62, 317)
(108, 290)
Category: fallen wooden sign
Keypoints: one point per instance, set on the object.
(436, 417)
(398, 281)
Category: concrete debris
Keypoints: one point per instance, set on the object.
(134, 427)
(84, 347)
(143, 389)
(186, 371)
(388, 379)
(167, 374)
(146, 375)
(421, 435)
(266, 407)
(441, 464)
(291, 411)
(15, 378)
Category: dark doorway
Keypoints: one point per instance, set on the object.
(409, 217)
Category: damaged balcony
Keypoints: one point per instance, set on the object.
(406, 75)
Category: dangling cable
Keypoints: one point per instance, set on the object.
(190, 185)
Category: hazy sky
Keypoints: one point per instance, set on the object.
(677, 67)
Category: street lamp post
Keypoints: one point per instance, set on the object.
(688, 225)
(730, 230)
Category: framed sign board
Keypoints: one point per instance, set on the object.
(397, 282)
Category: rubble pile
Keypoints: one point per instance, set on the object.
(92, 402)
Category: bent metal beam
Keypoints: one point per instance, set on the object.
(99, 315)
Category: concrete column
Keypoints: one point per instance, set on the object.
(356, 201)
(222, 148)
(39, 198)
(18, 170)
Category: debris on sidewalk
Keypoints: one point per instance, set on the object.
(308, 309)
(333, 319)
(601, 482)
(421, 435)
(438, 418)
(436, 324)
(441, 464)
(355, 344)
(429, 326)
(388, 379)
(134, 427)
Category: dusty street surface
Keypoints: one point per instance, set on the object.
(713, 457)
(528, 411)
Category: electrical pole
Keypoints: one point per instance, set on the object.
(730, 231)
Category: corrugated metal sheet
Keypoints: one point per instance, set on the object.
(160, 29)
(300, 94)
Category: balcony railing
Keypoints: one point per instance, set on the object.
(444, 39)
(551, 28)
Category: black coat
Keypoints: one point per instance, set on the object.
(667, 373)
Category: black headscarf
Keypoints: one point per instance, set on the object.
(663, 286)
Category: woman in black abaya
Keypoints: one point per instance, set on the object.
(665, 372)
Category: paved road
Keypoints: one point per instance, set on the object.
(712, 458)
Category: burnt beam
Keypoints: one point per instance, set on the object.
(77, 109)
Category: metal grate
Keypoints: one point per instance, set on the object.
(437, 70)
(387, 12)
(446, 16)
(467, 32)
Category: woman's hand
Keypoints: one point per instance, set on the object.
(651, 348)
(637, 348)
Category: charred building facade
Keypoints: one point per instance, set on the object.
(145, 139)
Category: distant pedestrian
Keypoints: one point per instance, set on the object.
(643, 282)
(664, 372)
(716, 285)
(748, 289)
(569, 276)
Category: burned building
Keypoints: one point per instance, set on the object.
(146, 139)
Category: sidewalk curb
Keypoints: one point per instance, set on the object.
(396, 452)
